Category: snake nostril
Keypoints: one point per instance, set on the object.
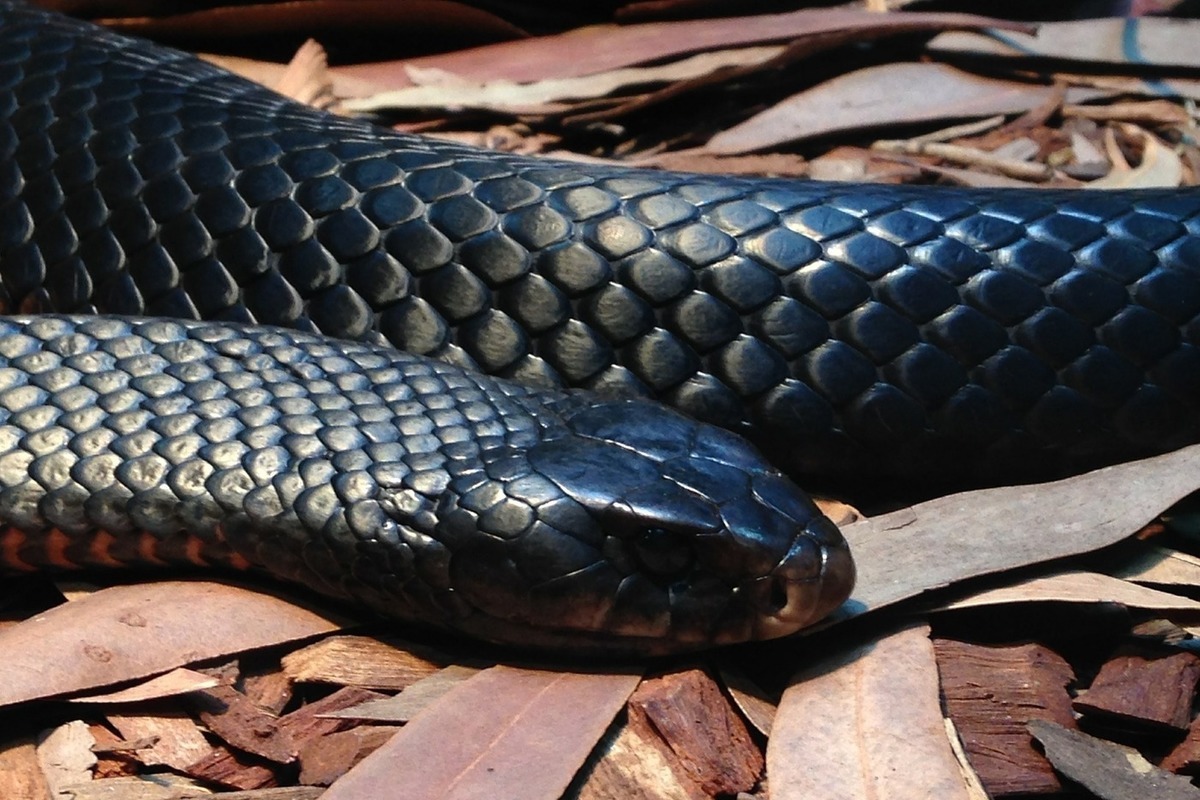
(777, 601)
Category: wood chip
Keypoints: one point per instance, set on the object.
(231, 715)
(412, 700)
(990, 693)
(20, 773)
(357, 661)
(1110, 771)
(1144, 688)
(313, 720)
(230, 768)
(175, 739)
(323, 760)
(634, 763)
(857, 723)
(504, 733)
(271, 691)
(1185, 757)
(718, 755)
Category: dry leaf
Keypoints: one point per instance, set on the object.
(177, 681)
(1110, 771)
(1139, 42)
(124, 633)
(65, 756)
(504, 733)
(1160, 565)
(886, 95)
(865, 724)
(600, 48)
(943, 541)
(1159, 167)
(506, 95)
(1078, 587)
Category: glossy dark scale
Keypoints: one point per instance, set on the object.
(848, 329)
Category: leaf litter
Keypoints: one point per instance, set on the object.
(261, 698)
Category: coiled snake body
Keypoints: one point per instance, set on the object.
(920, 332)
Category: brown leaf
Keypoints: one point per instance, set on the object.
(65, 756)
(1159, 167)
(890, 94)
(504, 733)
(951, 539)
(865, 724)
(1161, 566)
(128, 632)
(177, 681)
(507, 95)
(1078, 587)
(1134, 42)
(600, 48)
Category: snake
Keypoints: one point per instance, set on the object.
(544, 403)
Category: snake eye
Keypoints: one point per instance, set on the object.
(662, 552)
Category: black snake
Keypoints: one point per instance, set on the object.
(918, 332)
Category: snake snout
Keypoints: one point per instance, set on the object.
(809, 582)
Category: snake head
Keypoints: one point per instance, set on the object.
(633, 529)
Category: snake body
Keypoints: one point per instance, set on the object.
(845, 329)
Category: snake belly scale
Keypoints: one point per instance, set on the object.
(844, 329)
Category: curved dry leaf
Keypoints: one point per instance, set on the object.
(1144, 41)
(1160, 167)
(1078, 587)
(1108, 770)
(177, 681)
(886, 95)
(865, 724)
(507, 95)
(600, 48)
(65, 756)
(993, 530)
(124, 633)
(1161, 566)
(505, 732)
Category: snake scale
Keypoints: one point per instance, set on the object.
(509, 474)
